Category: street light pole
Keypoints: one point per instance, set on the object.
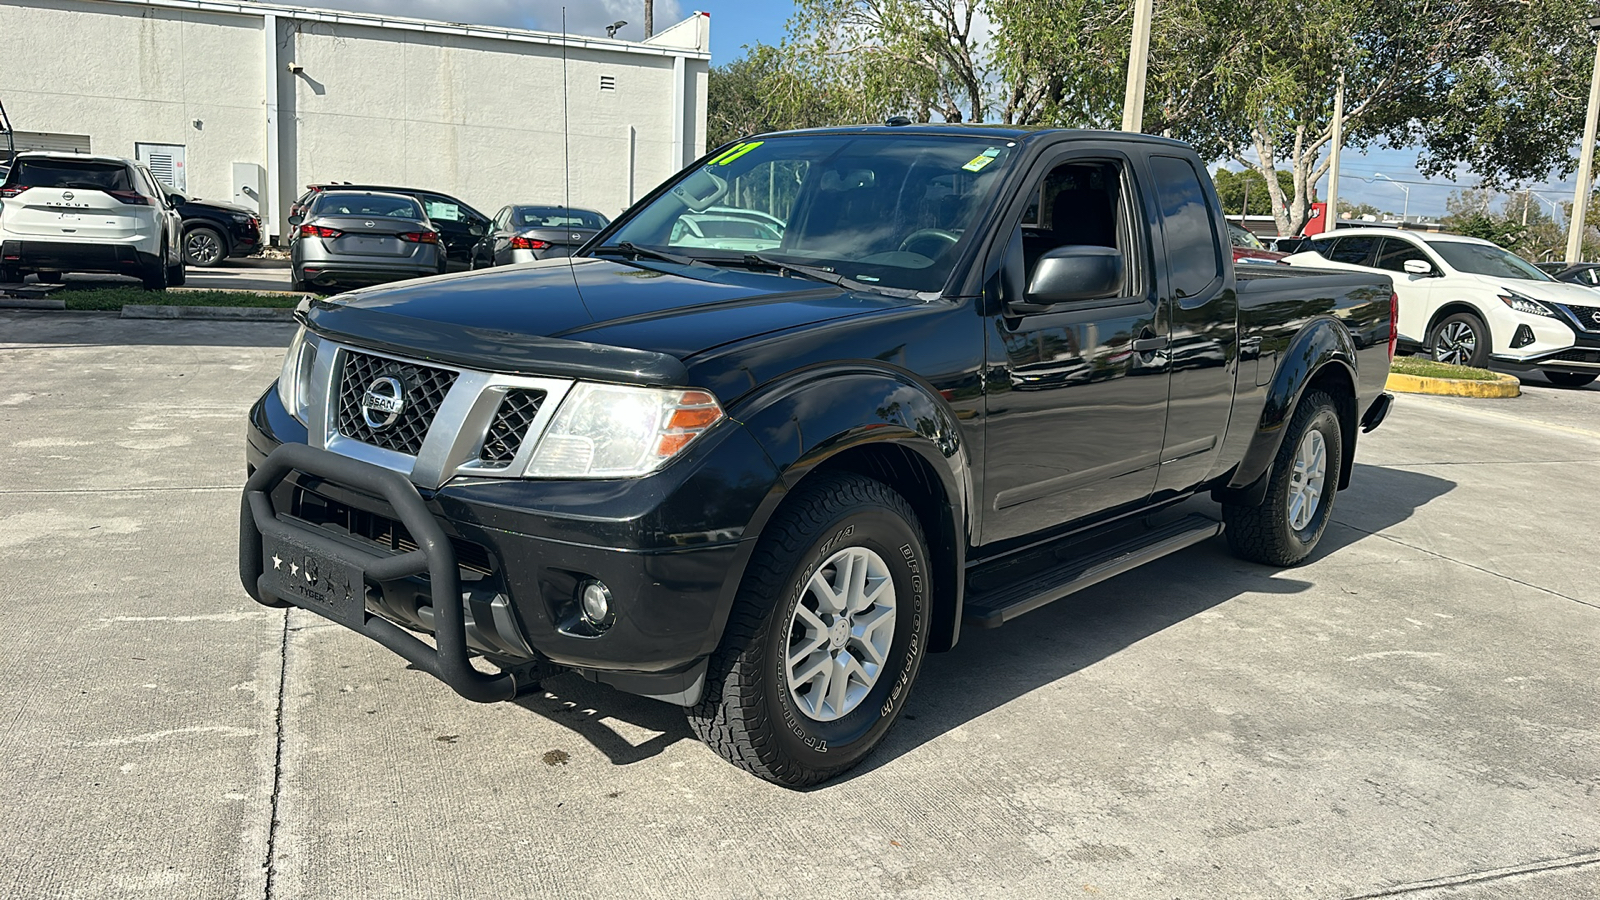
(1138, 59)
(1333, 166)
(1580, 201)
(1406, 212)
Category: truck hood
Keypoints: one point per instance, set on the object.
(593, 318)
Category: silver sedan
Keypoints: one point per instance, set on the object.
(350, 238)
(523, 232)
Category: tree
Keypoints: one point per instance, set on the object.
(1485, 84)
(1234, 188)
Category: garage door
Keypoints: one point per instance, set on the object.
(41, 140)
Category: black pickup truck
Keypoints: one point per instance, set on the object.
(800, 414)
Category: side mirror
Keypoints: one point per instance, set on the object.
(1418, 267)
(476, 229)
(176, 198)
(1074, 272)
(296, 219)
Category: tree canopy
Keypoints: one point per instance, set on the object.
(1479, 85)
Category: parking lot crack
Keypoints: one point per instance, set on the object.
(270, 864)
(1434, 553)
(1484, 876)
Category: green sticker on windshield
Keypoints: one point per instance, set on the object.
(734, 153)
(979, 162)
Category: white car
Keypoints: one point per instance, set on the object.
(1470, 302)
(71, 212)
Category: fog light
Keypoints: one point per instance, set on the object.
(596, 601)
(1523, 337)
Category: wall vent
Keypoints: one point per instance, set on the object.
(608, 82)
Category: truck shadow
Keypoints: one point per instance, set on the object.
(990, 668)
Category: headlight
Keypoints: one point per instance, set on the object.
(1525, 304)
(612, 431)
(294, 381)
(242, 218)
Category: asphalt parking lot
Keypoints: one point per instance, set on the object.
(1415, 713)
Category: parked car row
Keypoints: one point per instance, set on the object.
(1468, 301)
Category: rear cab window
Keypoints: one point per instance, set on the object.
(1188, 225)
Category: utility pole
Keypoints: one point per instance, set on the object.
(1580, 201)
(1333, 166)
(1138, 60)
(649, 18)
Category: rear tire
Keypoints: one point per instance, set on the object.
(1570, 379)
(49, 277)
(10, 275)
(155, 274)
(298, 283)
(1286, 526)
(1460, 339)
(177, 274)
(802, 722)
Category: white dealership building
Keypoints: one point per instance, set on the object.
(249, 102)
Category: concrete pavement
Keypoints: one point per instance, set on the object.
(1412, 714)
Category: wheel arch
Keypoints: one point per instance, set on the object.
(1321, 357)
(191, 224)
(885, 425)
(1451, 308)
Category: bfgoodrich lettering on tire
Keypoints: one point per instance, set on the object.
(1285, 528)
(825, 638)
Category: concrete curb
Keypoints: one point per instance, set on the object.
(31, 303)
(1502, 386)
(225, 313)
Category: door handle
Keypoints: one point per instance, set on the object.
(1149, 344)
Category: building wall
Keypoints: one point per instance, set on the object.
(138, 74)
(475, 116)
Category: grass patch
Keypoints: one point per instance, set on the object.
(114, 298)
(1426, 368)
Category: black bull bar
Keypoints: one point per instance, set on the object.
(435, 556)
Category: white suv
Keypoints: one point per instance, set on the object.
(67, 212)
(1468, 301)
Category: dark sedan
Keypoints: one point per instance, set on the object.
(214, 231)
(1586, 274)
(526, 232)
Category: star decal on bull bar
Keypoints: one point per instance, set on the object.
(277, 561)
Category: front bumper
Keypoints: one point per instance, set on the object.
(665, 546)
(1583, 356)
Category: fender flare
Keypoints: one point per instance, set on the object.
(1322, 343)
(813, 417)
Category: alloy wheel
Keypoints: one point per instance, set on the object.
(840, 634)
(1307, 478)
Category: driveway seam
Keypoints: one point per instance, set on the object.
(271, 863)
(1476, 568)
(1484, 876)
(137, 490)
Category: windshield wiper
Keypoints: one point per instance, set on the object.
(813, 273)
(636, 251)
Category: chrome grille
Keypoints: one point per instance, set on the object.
(424, 390)
(510, 425)
(1585, 316)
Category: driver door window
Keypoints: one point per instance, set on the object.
(1081, 203)
(1394, 253)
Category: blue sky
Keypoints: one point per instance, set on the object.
(736, 23)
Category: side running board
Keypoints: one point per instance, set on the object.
(1004, 602)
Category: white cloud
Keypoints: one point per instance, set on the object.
(586, 17)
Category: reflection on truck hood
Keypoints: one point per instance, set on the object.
(503, 319)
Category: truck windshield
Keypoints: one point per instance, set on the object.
(1481, 259)
(883, 210)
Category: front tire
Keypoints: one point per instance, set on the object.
(1286, 526)
(825, 638)
(204, 246)
(1570, 379)
(1460, 339)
